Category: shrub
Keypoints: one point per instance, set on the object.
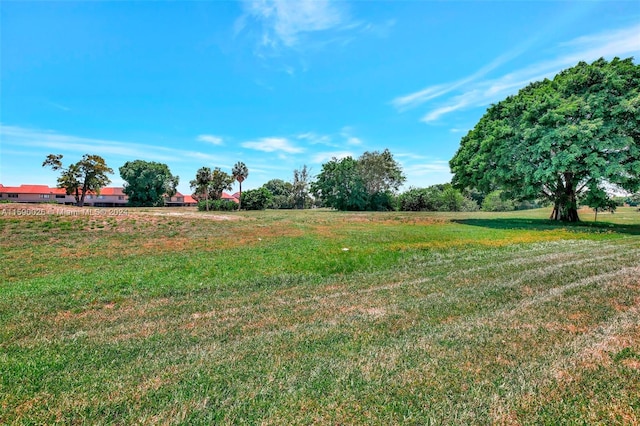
(436, 198)
(383, 201)
(469, 205)
(256, 199)
(494, 202)
(218, 205)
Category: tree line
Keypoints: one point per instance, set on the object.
(368, 183)
(558, 142)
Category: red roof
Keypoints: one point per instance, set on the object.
(233, 197)
(107, 191)
(111, 190)
(31, 189)
(44, 189)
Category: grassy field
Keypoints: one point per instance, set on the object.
(168, 316)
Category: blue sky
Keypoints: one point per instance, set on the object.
(277, 84)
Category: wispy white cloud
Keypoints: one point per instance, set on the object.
(285, 21)
(212, 139)
(381, 30)
(322, 157)
(420, 97)
(475, 91)
(345, 136)
(59, 106)
(455, 104)
(61, 143)
(352, 140)
(436, 166)
(273, 144)
(349, 138)
(410, 156)
(316, 139)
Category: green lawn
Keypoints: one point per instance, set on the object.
(166, 316)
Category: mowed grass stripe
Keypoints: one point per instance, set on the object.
(245, 307)
(429, 287)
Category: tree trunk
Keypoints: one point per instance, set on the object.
(565, 207)
(240, 196)
(565, 213)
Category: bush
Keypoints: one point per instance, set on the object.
(436, 198)
(619, 201)
(218, 205)
(281, 202)
(633, 201)
(469, 205)
(528, 205)
(494, 202)
(419, 199)
(383, 201)
(256, 199)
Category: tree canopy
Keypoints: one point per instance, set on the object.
(147, 183)
(559, 138)
(367, 183)
(87, 175)
(281, 192)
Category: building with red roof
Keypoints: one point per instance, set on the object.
(235, 197)
(35, 194)
(180, 200)
(108, 196)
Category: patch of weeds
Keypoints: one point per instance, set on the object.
(626, 353)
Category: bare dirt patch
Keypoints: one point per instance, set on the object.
(192, 215)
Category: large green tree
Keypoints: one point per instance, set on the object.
(559, 138)
(281, 192)
(339, 186)
(380, 172)
(367, 183)
(87, 175)
(148, 183)
(240, 172)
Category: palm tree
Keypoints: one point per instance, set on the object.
(240, 173)
(200, 185)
